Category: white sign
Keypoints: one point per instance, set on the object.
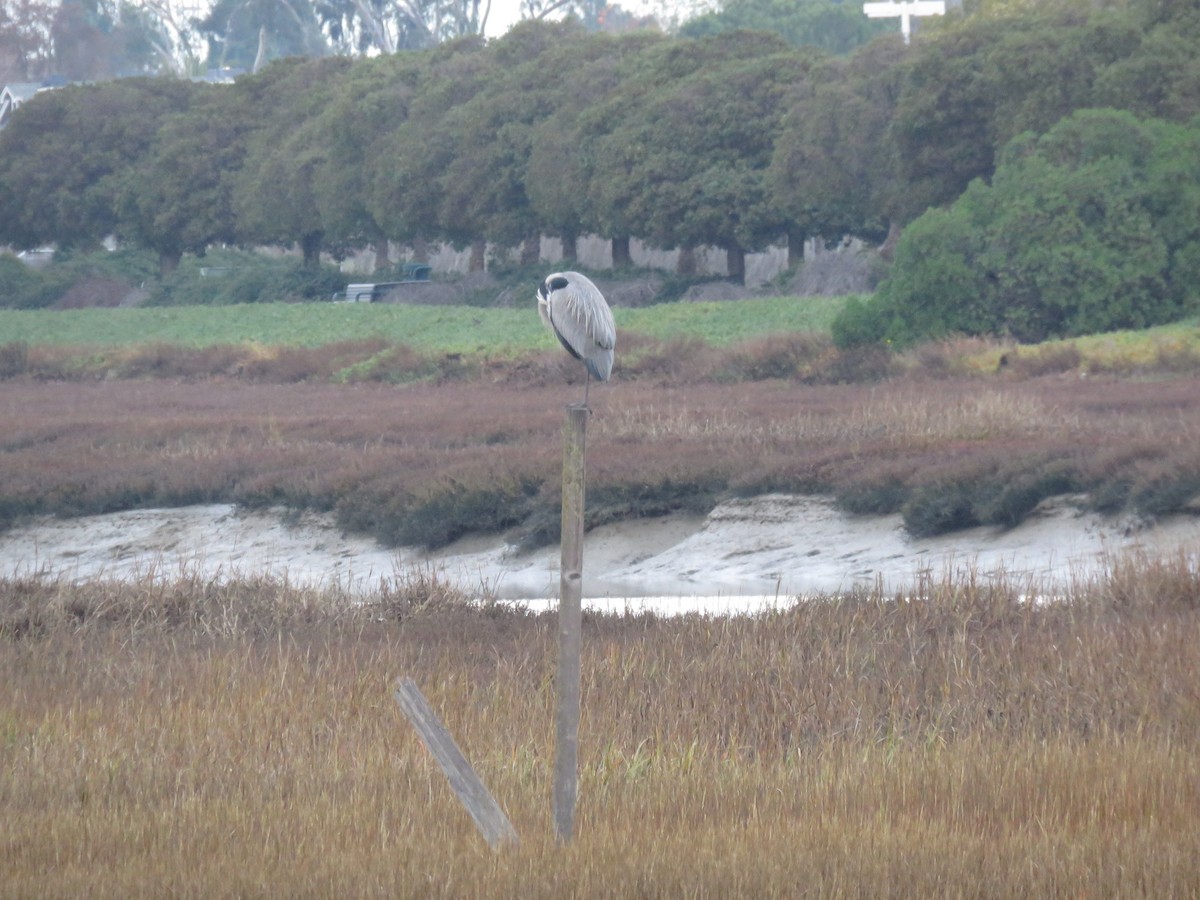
(905, 11)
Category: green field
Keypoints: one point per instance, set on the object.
(452, 329)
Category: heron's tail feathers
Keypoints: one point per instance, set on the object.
(600, 364)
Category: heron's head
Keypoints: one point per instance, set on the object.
(550, 285)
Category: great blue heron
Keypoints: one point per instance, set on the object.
(575, 310)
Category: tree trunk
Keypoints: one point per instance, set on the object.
(383, 258)
(478, 261)
(570, 251)
(796, 239)
(310, 246)
(620, 253)
(735, 262)
(531, 250)
(420, 248)
(686, 264)
(168, 261)
(888, 247)
(260, 58)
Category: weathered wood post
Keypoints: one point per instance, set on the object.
(489, 818)
(570, 623)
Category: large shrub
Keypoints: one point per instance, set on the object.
(1091, 227)
(20, 286)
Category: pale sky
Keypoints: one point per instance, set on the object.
(504, 14)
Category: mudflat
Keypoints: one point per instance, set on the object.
(776, 545)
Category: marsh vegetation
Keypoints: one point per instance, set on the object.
(196, 738)
(220, 738)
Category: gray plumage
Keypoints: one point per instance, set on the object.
(576, 312)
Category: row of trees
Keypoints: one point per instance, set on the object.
(735, 140)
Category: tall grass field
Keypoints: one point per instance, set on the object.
(188, 738)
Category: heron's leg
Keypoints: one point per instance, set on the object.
(586, 384)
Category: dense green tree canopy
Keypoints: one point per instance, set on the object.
(407, 173)
(64, 159)
(562, 144)
(685, 163)
(179, 199)
(1092, 226)
(837, 26)
(366, 106)
(483, 187)
(982, 82)
(833, 171)
(274, 191)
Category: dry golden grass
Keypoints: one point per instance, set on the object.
(197, 739)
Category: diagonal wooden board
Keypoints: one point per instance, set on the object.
(489, 818)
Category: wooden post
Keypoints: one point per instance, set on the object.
(570, 624)
(489, 818)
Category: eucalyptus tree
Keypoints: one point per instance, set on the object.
(25, 35)
(387, 26)
(247, 34)
(99, 39)
(593, 15)
(684, 157)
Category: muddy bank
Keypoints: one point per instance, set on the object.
(767, 546)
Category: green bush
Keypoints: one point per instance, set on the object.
(441, 517)
(872, 497)
(620, 502)
(941, 507)
(862, 322)
(1090, 227)
(1169, 492)
(20, 286)
(1010, 498)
